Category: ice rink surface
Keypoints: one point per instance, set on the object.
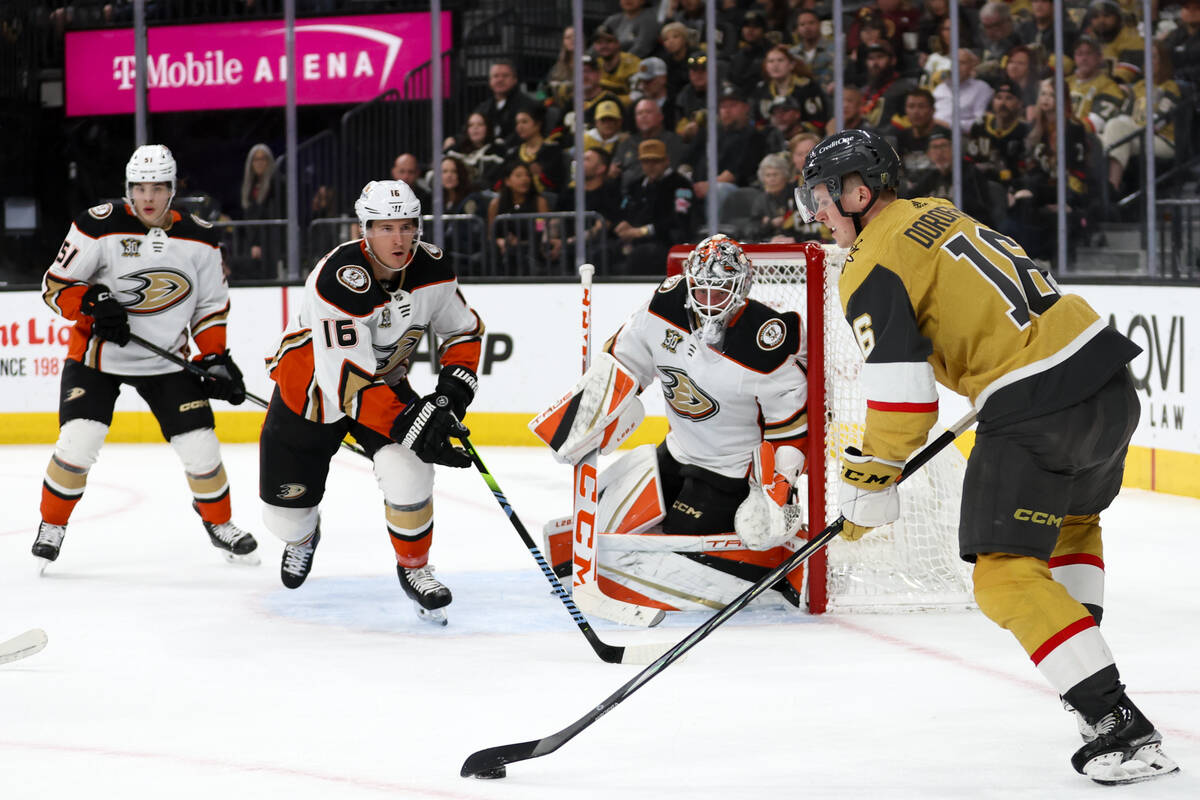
(171, 674)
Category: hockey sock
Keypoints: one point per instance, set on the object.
(62, 488)
(211, 493)
(1058, 633)
(1078, 562)
(410, 529)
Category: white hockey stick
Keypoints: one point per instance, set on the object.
(585, 589)
(30, 642)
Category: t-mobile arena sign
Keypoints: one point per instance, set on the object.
(243, 64)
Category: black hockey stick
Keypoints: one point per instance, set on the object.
(613, 654)
(490, 763)
(201, 372)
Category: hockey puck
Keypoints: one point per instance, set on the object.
(491, 774)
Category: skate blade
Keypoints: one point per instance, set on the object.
(1147, 763)
(43, 564)
(434, 616)
(250, 559)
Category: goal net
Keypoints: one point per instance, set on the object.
(912, 564)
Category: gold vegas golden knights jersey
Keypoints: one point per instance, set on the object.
(931, 294)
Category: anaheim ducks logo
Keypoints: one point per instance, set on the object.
(669, 283)
(157, 290)
(771, 334)
(101, 211)
(354, 278)
(75, 393)
(389, 357)
(290, 491)
(688, 399)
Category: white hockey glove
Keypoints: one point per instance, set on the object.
(867, 496)
(599, 413)
(760, 521)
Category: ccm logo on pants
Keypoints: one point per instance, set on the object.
(1037, 517)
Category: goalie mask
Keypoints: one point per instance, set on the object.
(387, 200)
(864, 153)
(150, 163)
(719, 277)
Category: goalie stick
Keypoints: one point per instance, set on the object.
(30, 642)
(490, 763)
(201, 372)
(613, 654)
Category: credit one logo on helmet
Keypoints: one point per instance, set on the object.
(243, 65)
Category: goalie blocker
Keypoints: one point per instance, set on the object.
(640, 565)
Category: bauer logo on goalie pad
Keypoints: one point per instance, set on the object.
(354, 278)
(771, 334)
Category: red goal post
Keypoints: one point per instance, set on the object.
(912, 564)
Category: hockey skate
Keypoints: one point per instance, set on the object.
(429, 595)
(47, 544)
(298, 560)
(236, 545)
(1086, 731)
(1127, 749)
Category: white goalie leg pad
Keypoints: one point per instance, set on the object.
(599, 413)
(199, 450)
(290, 525)
(403, 478)
(672, 579)
(631, 498)
(79, 442)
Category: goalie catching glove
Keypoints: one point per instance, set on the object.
(425, 427)
(109, 319)
(765, 519)
(224, 381)
(598, 414)
(867, 497)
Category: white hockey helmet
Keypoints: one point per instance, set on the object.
(388, 200)
(719, 277)
(150, 163)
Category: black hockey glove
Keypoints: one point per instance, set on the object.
(425, 427)
(224, 381)
(459, 384)
(109, 320)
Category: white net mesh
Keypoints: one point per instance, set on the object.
(912, 564)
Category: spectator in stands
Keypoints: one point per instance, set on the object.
(813, 49)
(997, 33)
(799, 146)
(607, 132)
(479, 151)
(692, 14)
(1095, 97)
(773, 211)
(520, 243)
(1037, 30)
(500, 110)
(259, 201)
(407, 168)
(885, 90)
(651, 83)
(616, 67)
(897, 17)
(602, 194)
(973, 94)
(692, 102)
(996, 144)
(938, 180)
(545, 159)
(1122, 49)
(636, 27)
(929, 24)
(676, 46)
(872, 34)
(461, 238)
(593, 95)
(1184, 43)
(1033, 212)
(648, 120)
(852, 111)
(655, 214)
(558, 81)
(745, 68)
(1118, 136)
(785, 76)
(912, 130)
(1023, 69)
(785, 123)
(740, 146)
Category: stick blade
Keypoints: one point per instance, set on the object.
(643, 654)
(486, 763)
(30, 642)
(593, 602)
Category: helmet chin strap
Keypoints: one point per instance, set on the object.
(856, 216)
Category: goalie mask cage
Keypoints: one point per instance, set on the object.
(912, 564)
